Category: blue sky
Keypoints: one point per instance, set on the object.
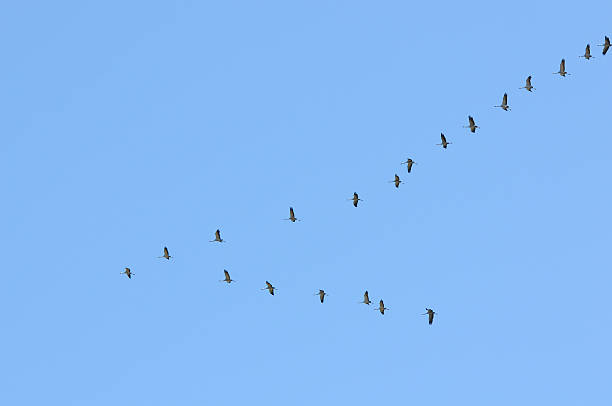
(130, 126)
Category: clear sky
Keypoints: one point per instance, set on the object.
(130, 126)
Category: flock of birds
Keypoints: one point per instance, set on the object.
(397, 181)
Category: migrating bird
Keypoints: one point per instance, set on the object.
(227, 277)
(472, 125)
(562, 71)
(128, 273)
(366, 298)
(504, 104)
(605, 45)
(321, 294)
(397, 181)
(443, 143)
(587, 53)
(355, 199)
(166, 255)
(381, 307)
(269, 288)
(292, 216)
(217, 237)
(528, 85)
(409, 162)
(430, 313)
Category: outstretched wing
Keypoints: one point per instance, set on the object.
(218, 235)
(606, 45)
(166, 252)
(443, 138)
(431, 316)
(366, 297)
(505, 101)
(291, 215)
(227, 275)
(562, 66)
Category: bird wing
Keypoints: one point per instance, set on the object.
(227, 276)
(291, 212)
(166, 252)
(471, 120)
(218, 234)
(606, 45)
(562, 66)
(366, 298)
(268, 285)
(505, 101)
(431, 316)
(443, 138)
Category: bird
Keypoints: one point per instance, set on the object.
(605, 45)
(562, 71)
(292, 216)
(128, 273)
(356, 199)
(269, 288)
(409, 162)
(472, 125)
(444, 143)
(227, 277)
(381, 307)
(321, 294)
(587, 53)
(217, 237)
(166, 255)
(397, 181)
(430, 313)
(504, 104)
(528, 84)
(366, 298)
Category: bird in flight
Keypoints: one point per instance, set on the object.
(355, 199)
(472, 125)
(409, 162)
(366, 298)
(292, 216)
(269, 288)
(227, 277)
(217, 237)
(128, 273)
(444, 143)
(430, 313)
(321, 294)
(166, 254)
(562, 71)
(605, 45)
(397, 181)
(504, 104)
(587, 53)
(528, 85)
(381, 307)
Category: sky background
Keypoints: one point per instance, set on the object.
(130, 126)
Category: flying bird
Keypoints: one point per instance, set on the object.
(381, 307)
(269, 288)
(605, 45)
(227, 277)
(217, 237)
(356, 199)
(321, 294)
(128, 273)
(409, 162)
(587, 53)
(528, 84)
(397, 181)
(504, 104)
(430, 313)
(472, 125)
(366, 298)
(444, 143)
(292, 216)
(562, 71)
(166, 254)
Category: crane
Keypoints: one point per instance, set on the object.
(430, 313)
(605, 45)
(562, 71)
(166, 254)
(366, 298)
(397, 181)
(227, 277)
(504, 104)
(269, 288)
(381, 307)
(355, 199)
(528, 85)
(587, 53)
(472, 125)
(128, 273)
(409, 162)
(292, 216)
(217, 237)
(321, 294)
(444, 143)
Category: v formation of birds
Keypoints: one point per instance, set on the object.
(397, 181)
